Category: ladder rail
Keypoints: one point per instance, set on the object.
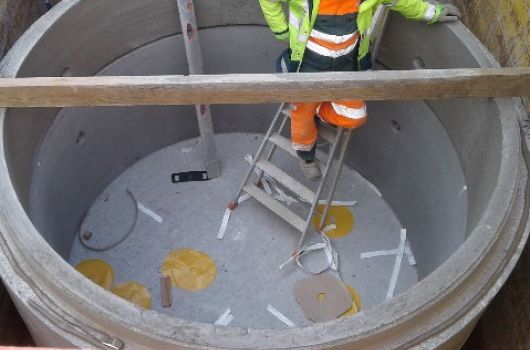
(336, 175)
(280, 129)
(233, 204)
(331, 155)
(273, 147)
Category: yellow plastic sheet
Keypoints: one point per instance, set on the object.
(98, 271)
(338, 215)
(356, 304)
(189, 269)
(135, 293)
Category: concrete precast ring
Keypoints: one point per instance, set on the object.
(50, 175)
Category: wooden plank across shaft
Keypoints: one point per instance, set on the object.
(263, 88)
(188, 23)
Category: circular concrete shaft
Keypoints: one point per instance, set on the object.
(452, 172)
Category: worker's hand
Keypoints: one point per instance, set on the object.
(448, 13)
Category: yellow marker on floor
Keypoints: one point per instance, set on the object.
(340, 216)
(189, 269)
(356, 304)
(98, 271)
(135, 293)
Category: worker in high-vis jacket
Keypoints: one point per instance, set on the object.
(333, 35)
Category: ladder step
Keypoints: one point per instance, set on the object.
(286, 214)
(283, 178)
(283, 143)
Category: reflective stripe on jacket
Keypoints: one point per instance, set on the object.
(303, 13)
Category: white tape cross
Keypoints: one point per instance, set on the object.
(397, 265)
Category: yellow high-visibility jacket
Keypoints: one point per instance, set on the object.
(303, 14)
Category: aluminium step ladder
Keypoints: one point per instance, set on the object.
(337, 137)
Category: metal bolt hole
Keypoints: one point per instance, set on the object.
(396, 126)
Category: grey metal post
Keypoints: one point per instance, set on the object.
(190, 34)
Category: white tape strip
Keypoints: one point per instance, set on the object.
(409, 254)
(397, 265)
(374, 188)
(339, 203)
(229, 320)
(378, 253)
(226, 217)
(282, 197)
(331, 254)
(266, 186)
(244, 198)
(224, 224)
(329, 228)
(224, 319)
(249, 158)
(288, 261)
(150, 213)
(311, 248)
(280, 316)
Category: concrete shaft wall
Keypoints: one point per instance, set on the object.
(502, 26)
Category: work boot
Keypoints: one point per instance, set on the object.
(310, 169)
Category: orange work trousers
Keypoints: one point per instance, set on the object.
(346, 114)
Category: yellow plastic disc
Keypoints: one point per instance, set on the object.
(98, 271)
(356, 304)
(189, 269)
(340, 216)
(135, 293)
